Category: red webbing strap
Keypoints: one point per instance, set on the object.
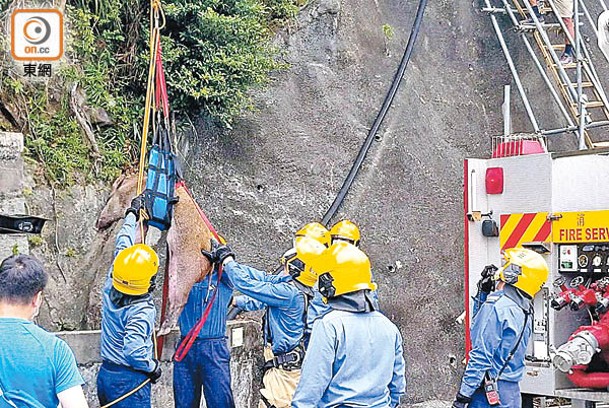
(189, 339)
(211, 228)
(161, 96)
(160, 340)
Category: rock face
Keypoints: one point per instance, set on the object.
(12, 200)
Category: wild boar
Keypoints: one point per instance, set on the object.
(186, 237)
(123, 191)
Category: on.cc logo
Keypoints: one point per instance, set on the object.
(36, 30)
(37, 34)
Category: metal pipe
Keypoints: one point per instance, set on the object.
(506, 109)
(574, 128)
(494, 10)
(510, 13)
(581, 108)
(589, 18)
(593, 75)
(515, 75)
(603, 5)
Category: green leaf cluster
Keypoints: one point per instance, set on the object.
(214, 51)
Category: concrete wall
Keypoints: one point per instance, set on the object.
(11, 190)
(243, 339)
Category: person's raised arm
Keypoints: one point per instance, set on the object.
(250, 281)
(259, 286)
(126, 235)
(247, 304)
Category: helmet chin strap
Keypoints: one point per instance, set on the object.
(303, 288)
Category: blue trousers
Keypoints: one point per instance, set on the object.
(114, 381)
(207, 366)
(509, 394)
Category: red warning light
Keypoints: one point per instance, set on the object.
(494, 180)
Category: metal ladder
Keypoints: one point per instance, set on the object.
(575, 88)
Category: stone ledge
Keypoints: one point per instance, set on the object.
(11, 145)
(244, 340)
(12, 205)
(241, 334)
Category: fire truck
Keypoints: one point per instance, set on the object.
(557, 204)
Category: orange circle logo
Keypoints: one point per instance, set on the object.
(36, 30)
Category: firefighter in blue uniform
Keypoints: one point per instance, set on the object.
(354, 355)
(500, 332)
(128, 318)
(342, 231)
(284, 297)
(207, 365)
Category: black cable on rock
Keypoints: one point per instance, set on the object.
(235, 311)
(357, 164)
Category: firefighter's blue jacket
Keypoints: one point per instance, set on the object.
(284, 322)
(198, 299)
(317, 308)
(126, 335)
(495, 330)
(354, 359)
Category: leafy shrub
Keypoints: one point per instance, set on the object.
(214, 51)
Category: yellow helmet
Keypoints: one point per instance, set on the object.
(524, 269)
(133, 269)
(343, 268)
(316, 231)
(345, 231)
(297, 260)
(297, 269)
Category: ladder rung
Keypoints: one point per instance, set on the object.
(595, 104)
(567, 66)
(547, 26)
(558, 46)
(584, 85)
(592, 104)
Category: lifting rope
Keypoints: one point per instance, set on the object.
(357, 164)
(156, 16)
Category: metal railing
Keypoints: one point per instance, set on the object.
(580, 98)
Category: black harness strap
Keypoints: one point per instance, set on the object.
(161, 180)
(511, 355)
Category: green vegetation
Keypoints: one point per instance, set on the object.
(35, 240)
(388, 31)
(215, 52)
